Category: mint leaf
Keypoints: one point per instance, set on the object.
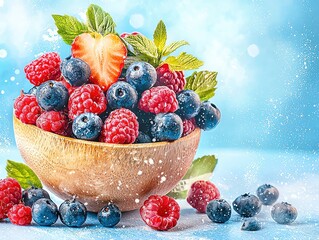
(99, 21)
(173, 46)
(203, 83)
(142, 45)
(183, 61)
(160, 36)
(201, 169)
(69, 27)
(23, 174)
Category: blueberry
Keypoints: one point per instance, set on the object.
(31, 195)
(143, 138)
(75, 71)
(208, 116)
(219, 210)
(87, 126)
(189, 104)
(251, 224)
(145, 121)
(52, 95)
(109, 215)
(167, 127)
(45, 212)
(284, 213)
(141, 75)
(247, 205)
(72, 213)
(32, 91)
(267, 194)
(121, 94)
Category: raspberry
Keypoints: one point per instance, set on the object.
(87, 98)
(10, 194)
(27, 109)
(158, 100)
(174, 80)
(46, 67)
(52, 121)
(121, 127)
(20, 215)
(188, 126)
(160, 212)
(200, 193)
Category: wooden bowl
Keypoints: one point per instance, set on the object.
(97, 173)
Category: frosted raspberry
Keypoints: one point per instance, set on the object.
(121, 126)
(174, 80)
(27, 109)
(46, 67)
(87, 98)
(20, 215)
(10, 194)
(188, 126)
(200, 193)
(160, 212)
(158, 100)
(52, 121)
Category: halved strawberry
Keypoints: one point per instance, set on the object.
(105, 56)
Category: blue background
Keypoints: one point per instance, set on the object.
(266, 54)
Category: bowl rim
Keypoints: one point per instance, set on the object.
(103, 144)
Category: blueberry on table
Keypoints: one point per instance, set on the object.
(218, 210)
(167, 127)
(52, 95)
(31, 195)
(284, 213)
(143, 138)
(208, 116)
(247, 205)
(121, 94)
(267, 194)
(110, 215)
(189, 104)
(251, 224)
(45, 212)
(72, 213)
(87, 126)
(75, 71)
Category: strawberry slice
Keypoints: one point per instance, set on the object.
(105, 56)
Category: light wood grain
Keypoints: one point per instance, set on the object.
(99, 172)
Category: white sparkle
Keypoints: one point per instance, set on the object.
(253, 50)
(12, 78)
(139, 173)
(137, 200)
(136, 20)
(2, 92)
(3, 53)
(17, 71)
(163, 179)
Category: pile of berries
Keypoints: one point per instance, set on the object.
(72, 98)
(35, 203)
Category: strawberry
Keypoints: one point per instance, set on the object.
(105, 56)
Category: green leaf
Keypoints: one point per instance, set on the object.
(69, 27)
(99, 21)
(173, 46)
(201, 169)
(160, 36)
(183, 61)
(142, 45)
(23, 174)
(203, 83)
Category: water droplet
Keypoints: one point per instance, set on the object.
(136, 20)
(3, 53)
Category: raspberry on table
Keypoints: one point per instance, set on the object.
(20, 215)
(10, 194)
(87, 98)
(121, 127)
(174, 80)
(46, 67)
(27, 109)
(201, 193)
(158, 100)
(188, 126)
(160, 212)
(53, 121)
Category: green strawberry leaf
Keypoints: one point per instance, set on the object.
(99, 21)
(173, 47)
(69, 27)
(160, 36)
(142, 46)
(201, 169)
(183, 61)
(23, 174)
(203, 83)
